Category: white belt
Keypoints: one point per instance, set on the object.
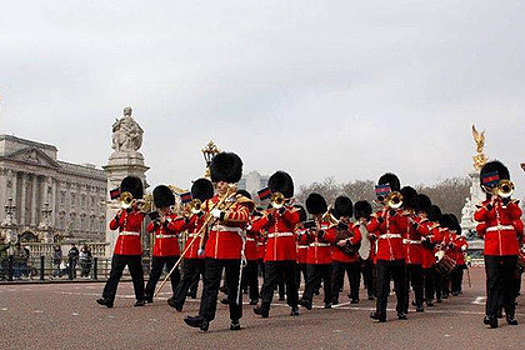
(302, 247)
(248, 239)
(500, 228)
(318, 244)
(410, 241)
(280, 234)
(191, 235)
(220, 228)
(165, 236)
(129, 233)
(390, 235)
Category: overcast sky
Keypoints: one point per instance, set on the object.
(318, 88)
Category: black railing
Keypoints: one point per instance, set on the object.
(45, 268)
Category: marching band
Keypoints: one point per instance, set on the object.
(407, 240)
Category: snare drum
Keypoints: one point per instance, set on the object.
(444, 263)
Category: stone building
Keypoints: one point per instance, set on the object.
(46, 198)
(253, 182)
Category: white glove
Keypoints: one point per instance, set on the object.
(216, 213)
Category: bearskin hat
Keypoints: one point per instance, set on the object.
(390, 179)
(302, 212)
(446, 221)
(316, 204)
(202, 189)
(422, 203)
(495, 167)
(244, 193)
(163, 196)
(226, 167)
(456, 226)
(409, 197)
(343, 207)
(434, 213)
(282, 182)
(362, 209)
(133, 185)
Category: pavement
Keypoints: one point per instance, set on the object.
(65, 316)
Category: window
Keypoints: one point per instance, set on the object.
(83, 200)
(73, 198)
(83, 223)
(62, 197)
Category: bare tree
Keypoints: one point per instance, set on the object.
(448, 194)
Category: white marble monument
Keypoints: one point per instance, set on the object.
(124, 161)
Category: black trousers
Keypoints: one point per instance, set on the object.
(157, 265)
(250, 280)
(369, 277)
(193, 268)
(456, 278)
(501, 284)
(300, 269)
(194, 287)
(429, 284)
(353, 271)
(387, 270)
(212, 281)
(438, 284)
(414, 278)
(276, 271)
(118, 263)
(314, 274)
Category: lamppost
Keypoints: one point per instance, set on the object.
(209, 152)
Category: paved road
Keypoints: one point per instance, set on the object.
(59, 316)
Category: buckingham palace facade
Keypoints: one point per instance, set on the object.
(46, 199)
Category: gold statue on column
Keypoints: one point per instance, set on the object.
(210, 151)
(480, 159)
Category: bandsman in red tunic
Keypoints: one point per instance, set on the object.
(224, 245)
(166, 250)
(459, 245)
(202, 190)
(321, 238)
(345, 254)
(281, 252)
(503, 234)
(250, 280)
(362, 211)
(389, 225)
(413, 250)
(302, 248)
(128, 248)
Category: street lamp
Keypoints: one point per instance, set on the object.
(209, 152)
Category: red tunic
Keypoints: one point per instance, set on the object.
(302, 245)
(389, 230)
(428, 228)
(340, 256)
(412, 240)
(281, 238)
(224, 241)
(320, 249)
(129, 226)
(261, 246)
(251, 250)
(193, 226)
(166, 238)
(503, 225)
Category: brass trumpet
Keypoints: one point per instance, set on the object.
(126, 200)
(505, 189)
(277, 200)
(394, 200)
(195, 206)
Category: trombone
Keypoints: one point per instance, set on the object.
(127, 201)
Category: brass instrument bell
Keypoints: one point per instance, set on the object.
(277, 200)
(394, 200)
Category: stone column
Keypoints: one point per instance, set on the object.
(54, 204)
(4, 191)
(34, 204)
(22, 205)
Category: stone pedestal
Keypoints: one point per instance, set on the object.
(121, 164)
(468, 224)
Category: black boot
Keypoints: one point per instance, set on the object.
(235, 325)
(149, 299)
(197, 322)
(105, 302)
(295, 311)
(402, 316)
(511, 321)
(173, 303)
(491, 321)
(141, 302)
(306, 304)
(377, 316)
(261, 311)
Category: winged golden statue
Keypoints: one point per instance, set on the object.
(479, 137)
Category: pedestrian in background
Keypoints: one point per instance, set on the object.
(73, 259)
(57, 259)
(85, 261)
